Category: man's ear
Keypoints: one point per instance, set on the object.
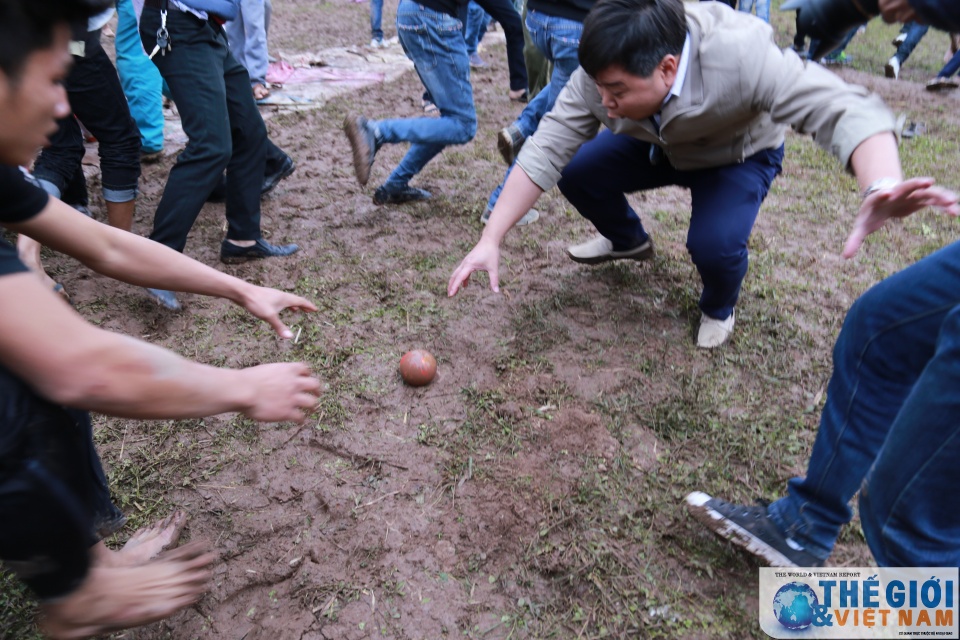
(668, 67)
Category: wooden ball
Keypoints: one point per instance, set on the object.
(418, 367)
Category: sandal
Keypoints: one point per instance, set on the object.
(430, 109)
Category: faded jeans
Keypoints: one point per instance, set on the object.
(763, 8)
(558, 39)
(891, 423)
(434, 42)
(247, 36)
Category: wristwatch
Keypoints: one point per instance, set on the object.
(879, 185)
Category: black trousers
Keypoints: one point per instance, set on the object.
(223, 125)
(54, 500)
(506, 14)
(97, 100)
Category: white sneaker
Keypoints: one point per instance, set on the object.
(529, 217)
(892, 70)
(714, 333)
(600, 249)
(377, 44)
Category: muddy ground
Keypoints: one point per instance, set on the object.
(534, 489)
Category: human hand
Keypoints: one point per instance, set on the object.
(896, 11)
(266, 304)
(898, 201)
(280, 392)
(485, 256)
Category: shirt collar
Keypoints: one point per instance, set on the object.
(681, 71)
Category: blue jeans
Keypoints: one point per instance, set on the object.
(434, 42)
(376, 19)
(763, 8)
(726, 201)
(477, 22)
(915, 33)
(891, 417)
(950, 69)
(247, 36)
(558, 39)
(141, 81)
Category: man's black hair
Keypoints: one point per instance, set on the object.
(27, 26)
(632, 34)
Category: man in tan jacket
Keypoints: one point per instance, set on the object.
(699, 96)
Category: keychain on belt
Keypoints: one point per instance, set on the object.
(163, 36)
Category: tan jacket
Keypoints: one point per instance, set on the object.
(739, 94)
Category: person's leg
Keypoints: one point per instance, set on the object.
(376, 20)
(950, 69)
(725, 203)
(434, 42)
(763, 10)
(254, 58)
(97, 100)
(247, 164)
(506, 14)
(140, 79)
(475, 26)
(915, 33)
(599, 175)
(888, 338)
(746, 6)
(57, 163)
(193, 70)
(905, 517)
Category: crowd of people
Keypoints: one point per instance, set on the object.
(642, 94)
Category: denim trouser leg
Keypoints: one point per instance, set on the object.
(888, 339)
(477, 20)
(726, 201)
(223, 126)
(908, 506)
(140, 79)
(507, 15)
(376, 19)
(558, 39)
(763, 8)
(97, 100)
(915, 33)
(950, 69)
(434, 42)
(247, 36)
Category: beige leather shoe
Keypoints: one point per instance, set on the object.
(714, 333)
(600, 249)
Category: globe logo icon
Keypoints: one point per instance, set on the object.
(793, 605)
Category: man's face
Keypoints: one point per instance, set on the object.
(625, 95)
(31, 104)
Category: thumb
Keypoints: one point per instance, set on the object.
(494, 274)
(282, 330)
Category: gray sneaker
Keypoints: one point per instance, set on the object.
(509, 142)
(600, 249)
(750, 528)
(529, 217)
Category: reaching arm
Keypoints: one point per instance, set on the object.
(518, 195)
(68, 361)
(876, 158)
(130, 258)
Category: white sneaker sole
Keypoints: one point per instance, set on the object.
(729, 530)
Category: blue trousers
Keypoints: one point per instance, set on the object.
(891, 424)
(434, 42)
(248, 38)
(726, 201)
(558, 39)
(141, 81)
(915, 33)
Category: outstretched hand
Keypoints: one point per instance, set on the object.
(485, 256)
(280, 392)
(266, 304)
(899, 201)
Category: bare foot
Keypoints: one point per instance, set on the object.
(145, 544)
(260, 91)
(110, 598)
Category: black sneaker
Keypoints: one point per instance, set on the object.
(398, 195)
(232, 253)
(273, 179)
(750, 528)
(364, 146)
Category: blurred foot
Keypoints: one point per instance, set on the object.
(892, 69)
(390, 194)
(476, 61)
(363, 142)
(713, 332)
(166, 299)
